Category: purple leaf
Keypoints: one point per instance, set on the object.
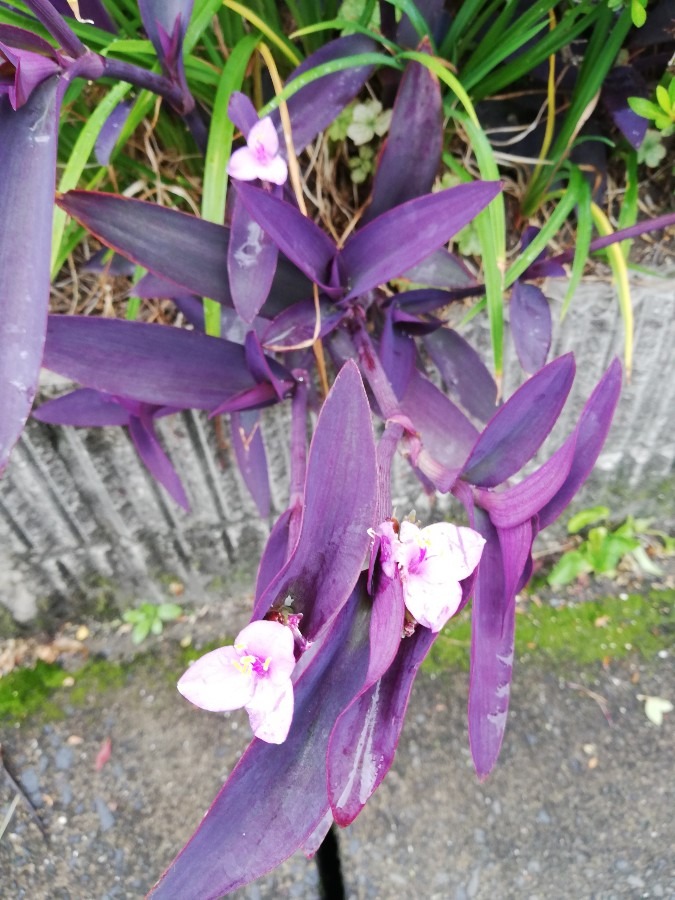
(591, 431)
(107, 138)
(188, 251)
(158, 464)
(339, 504)
(276, 550)
(504, 559)
(24, 65)
(365, 737)
(397, 354)
(251, 262)
(84, 408)
(446, 434)
(28, 139)
(518, 429)
(303, 242)
(442, 269)
(465, 376)
(518, 504)
(296, 325)
(157, 364)
(89, 9)
(107, 262)
(375, 253)
(413, 145)
(242, 112)
(530, 325)
(319, 103)
(276, 797)
(620, 83)
(423, 300)
(166, 22)
(249, 451)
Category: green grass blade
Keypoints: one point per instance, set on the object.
(629, 208)
(584, 233)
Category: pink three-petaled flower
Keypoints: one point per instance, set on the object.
(255, 674)
(430, 562)
(260, 157)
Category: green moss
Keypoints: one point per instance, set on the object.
(582, 634)
(24, 691)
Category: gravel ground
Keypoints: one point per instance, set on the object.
(579, 807)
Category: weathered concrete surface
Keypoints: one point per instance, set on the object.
(578, 807)
(84, 528)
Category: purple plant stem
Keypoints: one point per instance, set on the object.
(151, 81)
(57, 26)
(386, 448)
(371, 367)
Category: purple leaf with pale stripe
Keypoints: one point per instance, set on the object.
(530, 316)
(592, 429)
(464, 374)
(413, 145)
(375, 254)
(505, 557)
(518, 429)
(303, 242)
(365, 737)
(157, 364)
(277, 797)
(28, 139)
(251, 262)
(339, 504)
(297, 324)
(249, 451)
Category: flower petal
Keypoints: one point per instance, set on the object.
(430, 603)
(271, 710)
(264, 134)
(273, 641)
(213, 682)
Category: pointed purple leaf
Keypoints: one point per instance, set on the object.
(423, 300)
(157, 462)
(107, 262)
(276, 797)
(594, 424)
(303, 242)
(365, 737)
(531, 326)
(188, 251)
(519, 428)
(375, 254)
(339, 504)
(518, 504)
(112, 128)
(464, 374)
(249, 451)
(297, 324)
(414, 142)
(157, 364)
(160, 18)
(276, 550)
(319, 103)
(242, 112)
(504, 559)
(251, 262)
(446, 434)
(28, 139)
(441, 269)
(397, 354)
(89, 9)
(84, 408)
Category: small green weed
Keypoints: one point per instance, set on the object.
(149, 618)
(603, 548)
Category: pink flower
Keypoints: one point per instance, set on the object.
(255, 673)
(430, 562)
(260, 157)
